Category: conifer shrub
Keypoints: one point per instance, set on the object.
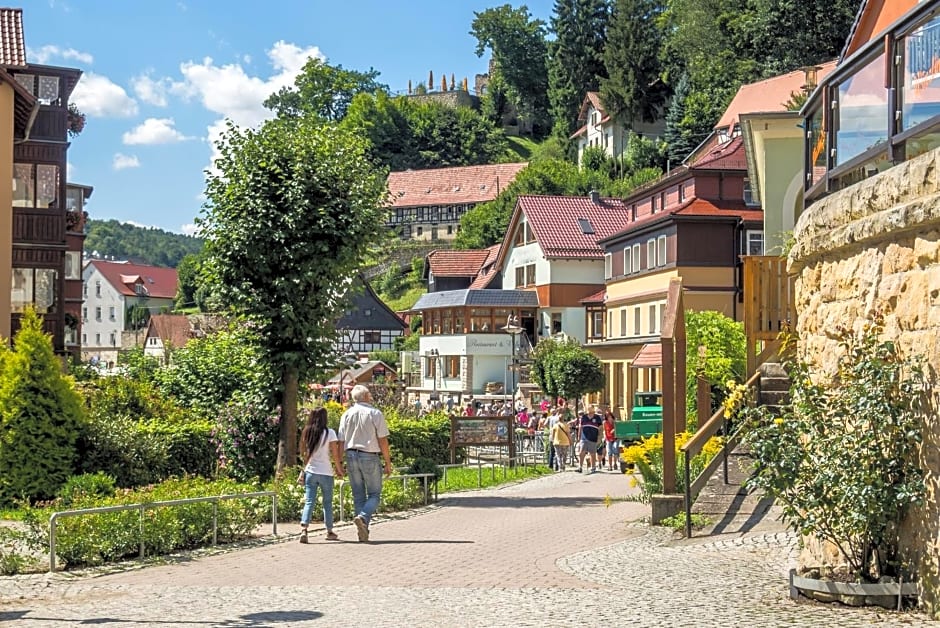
(41, 417)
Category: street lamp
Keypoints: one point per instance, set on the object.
(513, 329)
(433, 354)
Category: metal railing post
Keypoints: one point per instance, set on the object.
(274, 514)
(215, 522)
(141, 530)
(52, 529)
(425, 490)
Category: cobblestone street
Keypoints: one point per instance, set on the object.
(549, 552)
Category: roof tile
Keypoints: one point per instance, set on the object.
(555, 222)
(160, 282)
(451, 263)
(450, 186)
(12, 42)
(172, 329)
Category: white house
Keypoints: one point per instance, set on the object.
(110, 290)
(551, 248)
(597, 128)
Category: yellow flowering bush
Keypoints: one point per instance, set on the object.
(647, 456)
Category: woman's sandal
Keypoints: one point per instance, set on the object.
(331, 536)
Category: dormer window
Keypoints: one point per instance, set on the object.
(140, 290)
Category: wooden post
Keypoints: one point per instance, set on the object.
(703, 400)
(669, 417)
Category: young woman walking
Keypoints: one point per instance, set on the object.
(320, 449)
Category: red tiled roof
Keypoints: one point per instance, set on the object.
(450, 263)
(12, 42)
(701, 207)
(650, 355)
(450, 186)
(593, 99)
(727, 156)
(768, 95)
(172, 329)
(488, 270)
(598, 297)
(159, 282)
(555, 222)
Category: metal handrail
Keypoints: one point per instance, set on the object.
(215, 499)
(696, 443)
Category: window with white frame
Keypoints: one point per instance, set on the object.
(97, 288)
(662, 314)
(608, 266)
(627, 259)
(610, 321)
(111, 315)
(73, 265)
(98, 340)
(661, 250)
(98, 314)
(637, 331)
(650, 254)
(597, 323)
(653, 319)
(754, 242)
(113, 339)
(84, 314)
(623, 321)
(636, 258)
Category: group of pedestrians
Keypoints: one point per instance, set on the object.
(363, 440)
(592, 435)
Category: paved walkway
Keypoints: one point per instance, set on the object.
(554, 551)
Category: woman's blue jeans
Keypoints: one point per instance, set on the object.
(325, 483)
(365, 480)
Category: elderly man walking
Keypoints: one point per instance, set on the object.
(363, 434)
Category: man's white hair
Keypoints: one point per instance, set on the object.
(359, 393)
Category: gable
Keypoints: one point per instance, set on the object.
(874, 17)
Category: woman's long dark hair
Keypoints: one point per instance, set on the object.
(314, 432)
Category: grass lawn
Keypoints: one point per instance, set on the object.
(470, 478)
(520, 148)
(407, 299)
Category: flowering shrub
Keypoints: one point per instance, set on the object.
(841, 457)
(246, 437)
(647, 456)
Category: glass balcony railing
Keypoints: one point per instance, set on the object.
(880, 107)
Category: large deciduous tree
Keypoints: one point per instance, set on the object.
(289, 217)
(635, 89)
(323, 90)
(576, 58)
(517, 42)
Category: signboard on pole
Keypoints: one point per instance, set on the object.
(480, 431)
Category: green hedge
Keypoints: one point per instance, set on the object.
(427, 437)
(138, 453)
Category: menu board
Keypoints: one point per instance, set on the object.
(480, 431)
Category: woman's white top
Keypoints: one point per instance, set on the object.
(319, 462)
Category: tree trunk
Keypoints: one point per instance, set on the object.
(287, 435)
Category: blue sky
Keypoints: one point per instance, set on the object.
(161, 77)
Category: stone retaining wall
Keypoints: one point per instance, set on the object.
(875, 247)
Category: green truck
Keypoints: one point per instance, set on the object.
(645, 418)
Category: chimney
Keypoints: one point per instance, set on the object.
(595, 197)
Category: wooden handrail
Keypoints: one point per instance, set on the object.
(695, 444)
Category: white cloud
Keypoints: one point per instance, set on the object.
(152, 92)
(122, 161)
(235, 95)
(229, 91)
(48, 52)
(154, 131)
(97, 96)
(189, 229)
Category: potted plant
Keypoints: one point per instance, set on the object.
(841, 460)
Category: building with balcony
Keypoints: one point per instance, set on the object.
(427, 205)
(34, 141)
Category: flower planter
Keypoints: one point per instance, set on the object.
(884, 594)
